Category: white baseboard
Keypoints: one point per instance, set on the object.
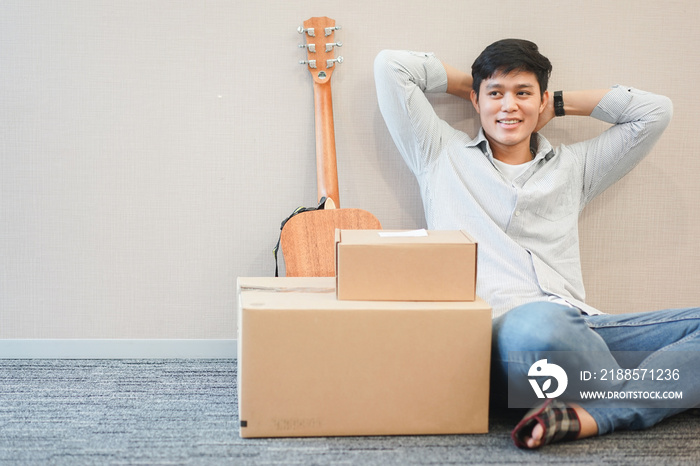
(118, 349)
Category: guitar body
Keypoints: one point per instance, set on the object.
(308, 239)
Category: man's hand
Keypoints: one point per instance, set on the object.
(548, 112)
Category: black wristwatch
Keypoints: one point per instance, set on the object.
(559, 104)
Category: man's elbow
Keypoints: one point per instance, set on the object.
(384, 60)
(666, 110)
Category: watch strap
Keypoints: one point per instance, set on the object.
(559, 104)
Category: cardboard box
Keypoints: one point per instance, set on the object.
(311, 365)
(439, 266)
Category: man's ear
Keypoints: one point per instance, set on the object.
(475, 100)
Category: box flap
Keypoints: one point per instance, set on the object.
(371, 237)
(318, 293)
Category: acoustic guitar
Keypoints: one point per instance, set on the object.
(308, 239)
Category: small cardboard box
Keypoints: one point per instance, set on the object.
(438, 265)
(311, 365)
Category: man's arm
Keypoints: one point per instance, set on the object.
(638, 119)
(578, 103)
(459, 83)
(581, 103)
(402, 79)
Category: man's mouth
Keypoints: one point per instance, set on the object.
(508, 122)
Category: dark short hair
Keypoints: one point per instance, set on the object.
(507, 55)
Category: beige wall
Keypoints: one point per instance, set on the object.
(150, 149)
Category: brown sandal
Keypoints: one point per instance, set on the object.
(560, 423)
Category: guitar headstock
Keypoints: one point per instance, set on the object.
(320, 47)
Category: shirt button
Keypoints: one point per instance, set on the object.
(517, 213)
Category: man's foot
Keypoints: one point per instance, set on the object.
(553, 421)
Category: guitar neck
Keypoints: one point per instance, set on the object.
(326, 167)
(321, 60)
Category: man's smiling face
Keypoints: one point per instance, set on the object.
(509, 106)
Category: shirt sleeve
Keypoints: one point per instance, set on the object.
(402, 79)
(639, 118)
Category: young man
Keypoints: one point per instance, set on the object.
(520, 198)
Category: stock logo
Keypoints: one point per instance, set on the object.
(544, 369)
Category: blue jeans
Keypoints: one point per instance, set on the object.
(672, 336)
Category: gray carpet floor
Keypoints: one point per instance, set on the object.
(185, 412)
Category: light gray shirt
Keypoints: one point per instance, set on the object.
(527, 228)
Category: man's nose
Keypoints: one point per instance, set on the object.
(508, 102)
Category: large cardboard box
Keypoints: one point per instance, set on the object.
(435, 265)
(311, 365)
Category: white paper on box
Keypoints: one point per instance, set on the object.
(408, 233)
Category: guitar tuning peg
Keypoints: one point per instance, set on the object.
(309, 31)
(311, 63)
(310, 47)
(330, 45)
(330, 30)
(332, 61)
